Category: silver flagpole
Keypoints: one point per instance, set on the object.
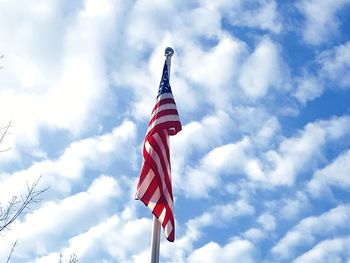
(155, 243)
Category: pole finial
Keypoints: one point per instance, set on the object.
(169, 52)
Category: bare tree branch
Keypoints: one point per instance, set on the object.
(2, 56)
(73, 258)
(12, 249)
(17, 207)
(5, 130)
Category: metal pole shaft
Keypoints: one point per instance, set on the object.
(155, 244)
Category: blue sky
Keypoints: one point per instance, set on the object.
(261, 169)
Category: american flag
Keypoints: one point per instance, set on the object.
(154, 187)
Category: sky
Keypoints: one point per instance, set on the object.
(261, 169)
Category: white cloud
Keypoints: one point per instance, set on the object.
(308, 88)
(334, 174)
(147, 20)
(262, 14)
(262, 70)
(267, 131)
(207, 68)
(57, 81)
(254, 234)
(329, 250)
(226, 158)
(217, 216)
(208, 15)
(218, 158)
(127, 238)
(256, 122)
(321, 21)
(204, 18)
(295, 154)
(267, 221)
(336, 65)
(61, 174)
(238, 250)
(277, 167)
(308, 229)
(196, 138)
(222, 160)
(267, 225)
(291, 207)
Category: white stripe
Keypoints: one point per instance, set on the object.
(162, 147)
(154, 199)
(173, 117)
(166, 135)
(165, 96)
(168, 106)
(168, 228)
(154, 155)
(145, 184)
(162, 215)
(156, 159)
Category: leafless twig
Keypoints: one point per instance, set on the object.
(73, 258)
(17, 206)
(4, 130)
(1, 56)
(12, 249)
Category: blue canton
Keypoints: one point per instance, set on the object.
(164, 86)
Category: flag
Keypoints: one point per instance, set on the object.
(154, 188)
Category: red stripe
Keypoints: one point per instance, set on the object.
(168, 214)
(144, 171)
(162, 201)
(152, 164)
(166, 126)
(158, 208)
(157, 149)
(169, 217)
(163, 113)
(162, 102)
(150, 191)
(163, 134)
(159, 180)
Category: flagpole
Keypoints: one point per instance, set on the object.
(155, 242)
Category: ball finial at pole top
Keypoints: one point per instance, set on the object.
(169, 52)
